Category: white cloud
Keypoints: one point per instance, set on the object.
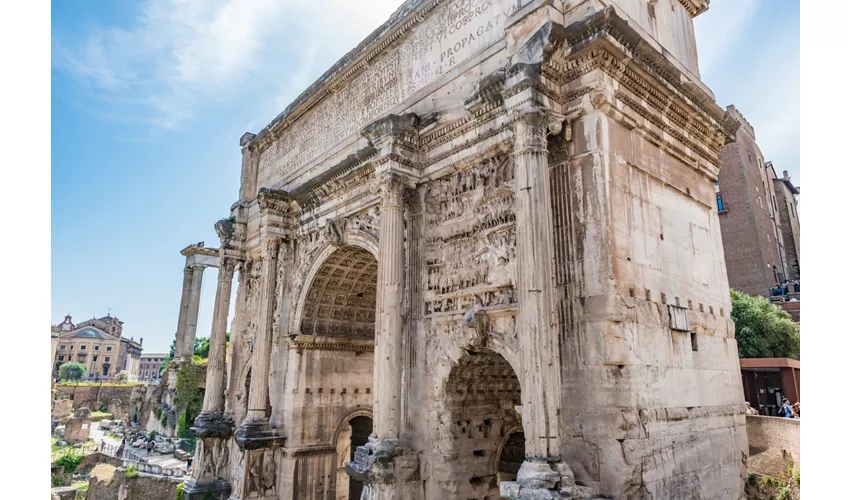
(178, 55)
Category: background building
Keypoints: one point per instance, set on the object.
(786, 205)
(749, 220)
(149, 366)
(98, 344)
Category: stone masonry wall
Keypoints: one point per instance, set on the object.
(774, 442)
(108, 483)
(91, 396)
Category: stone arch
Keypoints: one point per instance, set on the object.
(352, 431)
(477, 400)
(351, 238)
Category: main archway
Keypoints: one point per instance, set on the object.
(332, 366)
(481, 397)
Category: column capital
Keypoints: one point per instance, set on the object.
(227, 267)
(533, 124)
(391, 187)
(269, 246)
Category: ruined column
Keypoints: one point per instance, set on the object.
(184, 310)
(214, 393)
(192, 313)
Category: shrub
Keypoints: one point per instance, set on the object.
(751, 478)
(131, 471)
(72, 371)
(122, 376)
(152, 435)
(57, 481)
(69, 463)
(179, 492)
(164, 419)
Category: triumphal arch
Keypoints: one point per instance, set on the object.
(480, 257)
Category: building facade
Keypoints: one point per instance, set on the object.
(749, 219)
(149, 366)
(786, 204)
(480, 257)
(98, 344)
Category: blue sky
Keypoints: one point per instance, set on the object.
(150, 97)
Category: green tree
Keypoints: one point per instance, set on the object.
(72, 371)
(762, 329)
(122, 376)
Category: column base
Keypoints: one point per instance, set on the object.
(258, 435)
(214, 425)
(385, 468)
(218, 489)
(545, 480)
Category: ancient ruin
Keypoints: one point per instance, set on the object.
(481, 257)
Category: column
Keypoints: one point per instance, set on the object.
(184, 310)
(259, 394)
(210, 472)
(535, 289)
(389, 334)
(214, 393)
(192, 313)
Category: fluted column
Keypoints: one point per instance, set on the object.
(535, 287)
(262, 344)
(192, 313)
(389, 336)
(214, 393)
(184, 310)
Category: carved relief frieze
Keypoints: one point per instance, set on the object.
(262, 474)
(469, 237)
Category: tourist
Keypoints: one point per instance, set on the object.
(189, 465)
(785, 410)
(796, 409)
(751, 410)
(120, 451)
(150, 446)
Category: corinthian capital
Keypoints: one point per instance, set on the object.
(269, 247)
(533, 123)
(227, 266)
(391, 187)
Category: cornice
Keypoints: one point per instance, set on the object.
(562, 48)
(199, 248)
(409, 15)
(316, 342)
(354, 170)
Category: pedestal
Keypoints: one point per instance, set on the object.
(386, 469)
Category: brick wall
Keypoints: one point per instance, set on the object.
(748, 230)
(773, 441)
(790, 224)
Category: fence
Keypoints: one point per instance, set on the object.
(142, 465)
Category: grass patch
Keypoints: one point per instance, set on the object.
(97, 416)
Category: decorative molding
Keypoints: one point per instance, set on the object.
(315, 342)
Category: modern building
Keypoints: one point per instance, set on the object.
(149, 366)
(98, 344)
(748, 210)
(768, 380)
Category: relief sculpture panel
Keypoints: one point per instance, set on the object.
(459, 30)
(470, 238)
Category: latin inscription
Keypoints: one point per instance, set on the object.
(452, 35)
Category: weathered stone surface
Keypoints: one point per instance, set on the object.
(474, 228)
